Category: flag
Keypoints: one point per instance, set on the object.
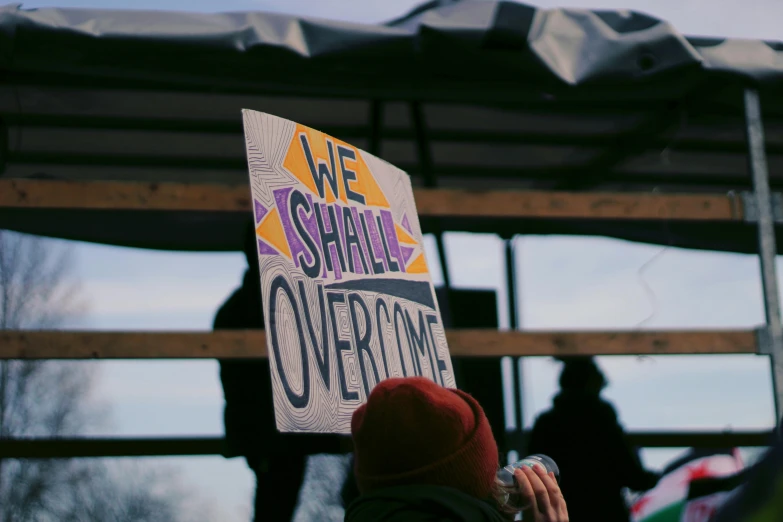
(707, 495)
(667, 502)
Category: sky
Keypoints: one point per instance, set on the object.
(564, 283)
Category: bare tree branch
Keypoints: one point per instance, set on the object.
(53, 399)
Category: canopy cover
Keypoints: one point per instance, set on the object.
(470, 94)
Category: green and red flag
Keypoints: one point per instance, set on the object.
(669, 501)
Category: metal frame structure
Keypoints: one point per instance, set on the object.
(773, 345)
(760, 207)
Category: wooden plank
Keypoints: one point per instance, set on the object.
(119, 195)
(702, 439)
(477, 343)
(105, 195)
(109, 447)
(233, 344)
(684, 439)
(538, 204)
(229, 344)
(190, 446)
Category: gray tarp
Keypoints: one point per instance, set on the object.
(509, 96)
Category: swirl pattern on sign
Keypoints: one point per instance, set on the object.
(333, 334)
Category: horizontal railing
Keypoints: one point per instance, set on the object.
(239, 344)
(116, 195)
(431, 203)
(202, 446)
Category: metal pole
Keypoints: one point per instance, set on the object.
(513, 321)
(766, 238)
(444, 262)
(511, 284)
(520, 368)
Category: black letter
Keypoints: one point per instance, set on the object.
(421, 340)
(398, 314)
(314, 270)
(321, 360)
(323, 170)
(393, 266)
(352, 239)
(380, 303)
(330, 237)
(377, 266)
(433, 319)
(363, 341)
(348, 175)
(297, 401)
(340, 346)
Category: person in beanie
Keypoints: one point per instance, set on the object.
(423, 452)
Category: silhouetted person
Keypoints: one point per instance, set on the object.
(582, 434)
(760, 498)
(278, 459)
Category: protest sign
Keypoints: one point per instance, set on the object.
(348, 299)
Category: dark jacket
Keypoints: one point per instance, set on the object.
(421, 504)
(581, 433)
(760, 499)
(278, 459)
(249, 414)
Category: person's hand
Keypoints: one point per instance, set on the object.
(541, 494)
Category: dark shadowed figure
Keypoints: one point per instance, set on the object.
(582, 434)
(278, 459)
(760, 498)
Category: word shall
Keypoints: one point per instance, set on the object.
(333, 238)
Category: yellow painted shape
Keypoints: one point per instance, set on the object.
(271, 231)
(295, 161)
(403, 236)
(365, 183)
(418, 265)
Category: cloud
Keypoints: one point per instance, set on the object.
(343, 10)
(178, 381)
(156, 295)
(132, 282)
(566, 285)
(699, 392)
(593, 283)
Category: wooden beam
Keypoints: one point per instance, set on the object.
(238, 344)
(191, 446)
(121, 195)
(687, 439)
(139, 196)
(683, 439)
(539, 204)
(109, 447)
(478, 343)
(223, 344)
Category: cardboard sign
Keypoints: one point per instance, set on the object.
(348, 299)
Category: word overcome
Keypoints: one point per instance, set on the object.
(388, 336)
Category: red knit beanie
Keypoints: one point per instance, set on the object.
(413, 431)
